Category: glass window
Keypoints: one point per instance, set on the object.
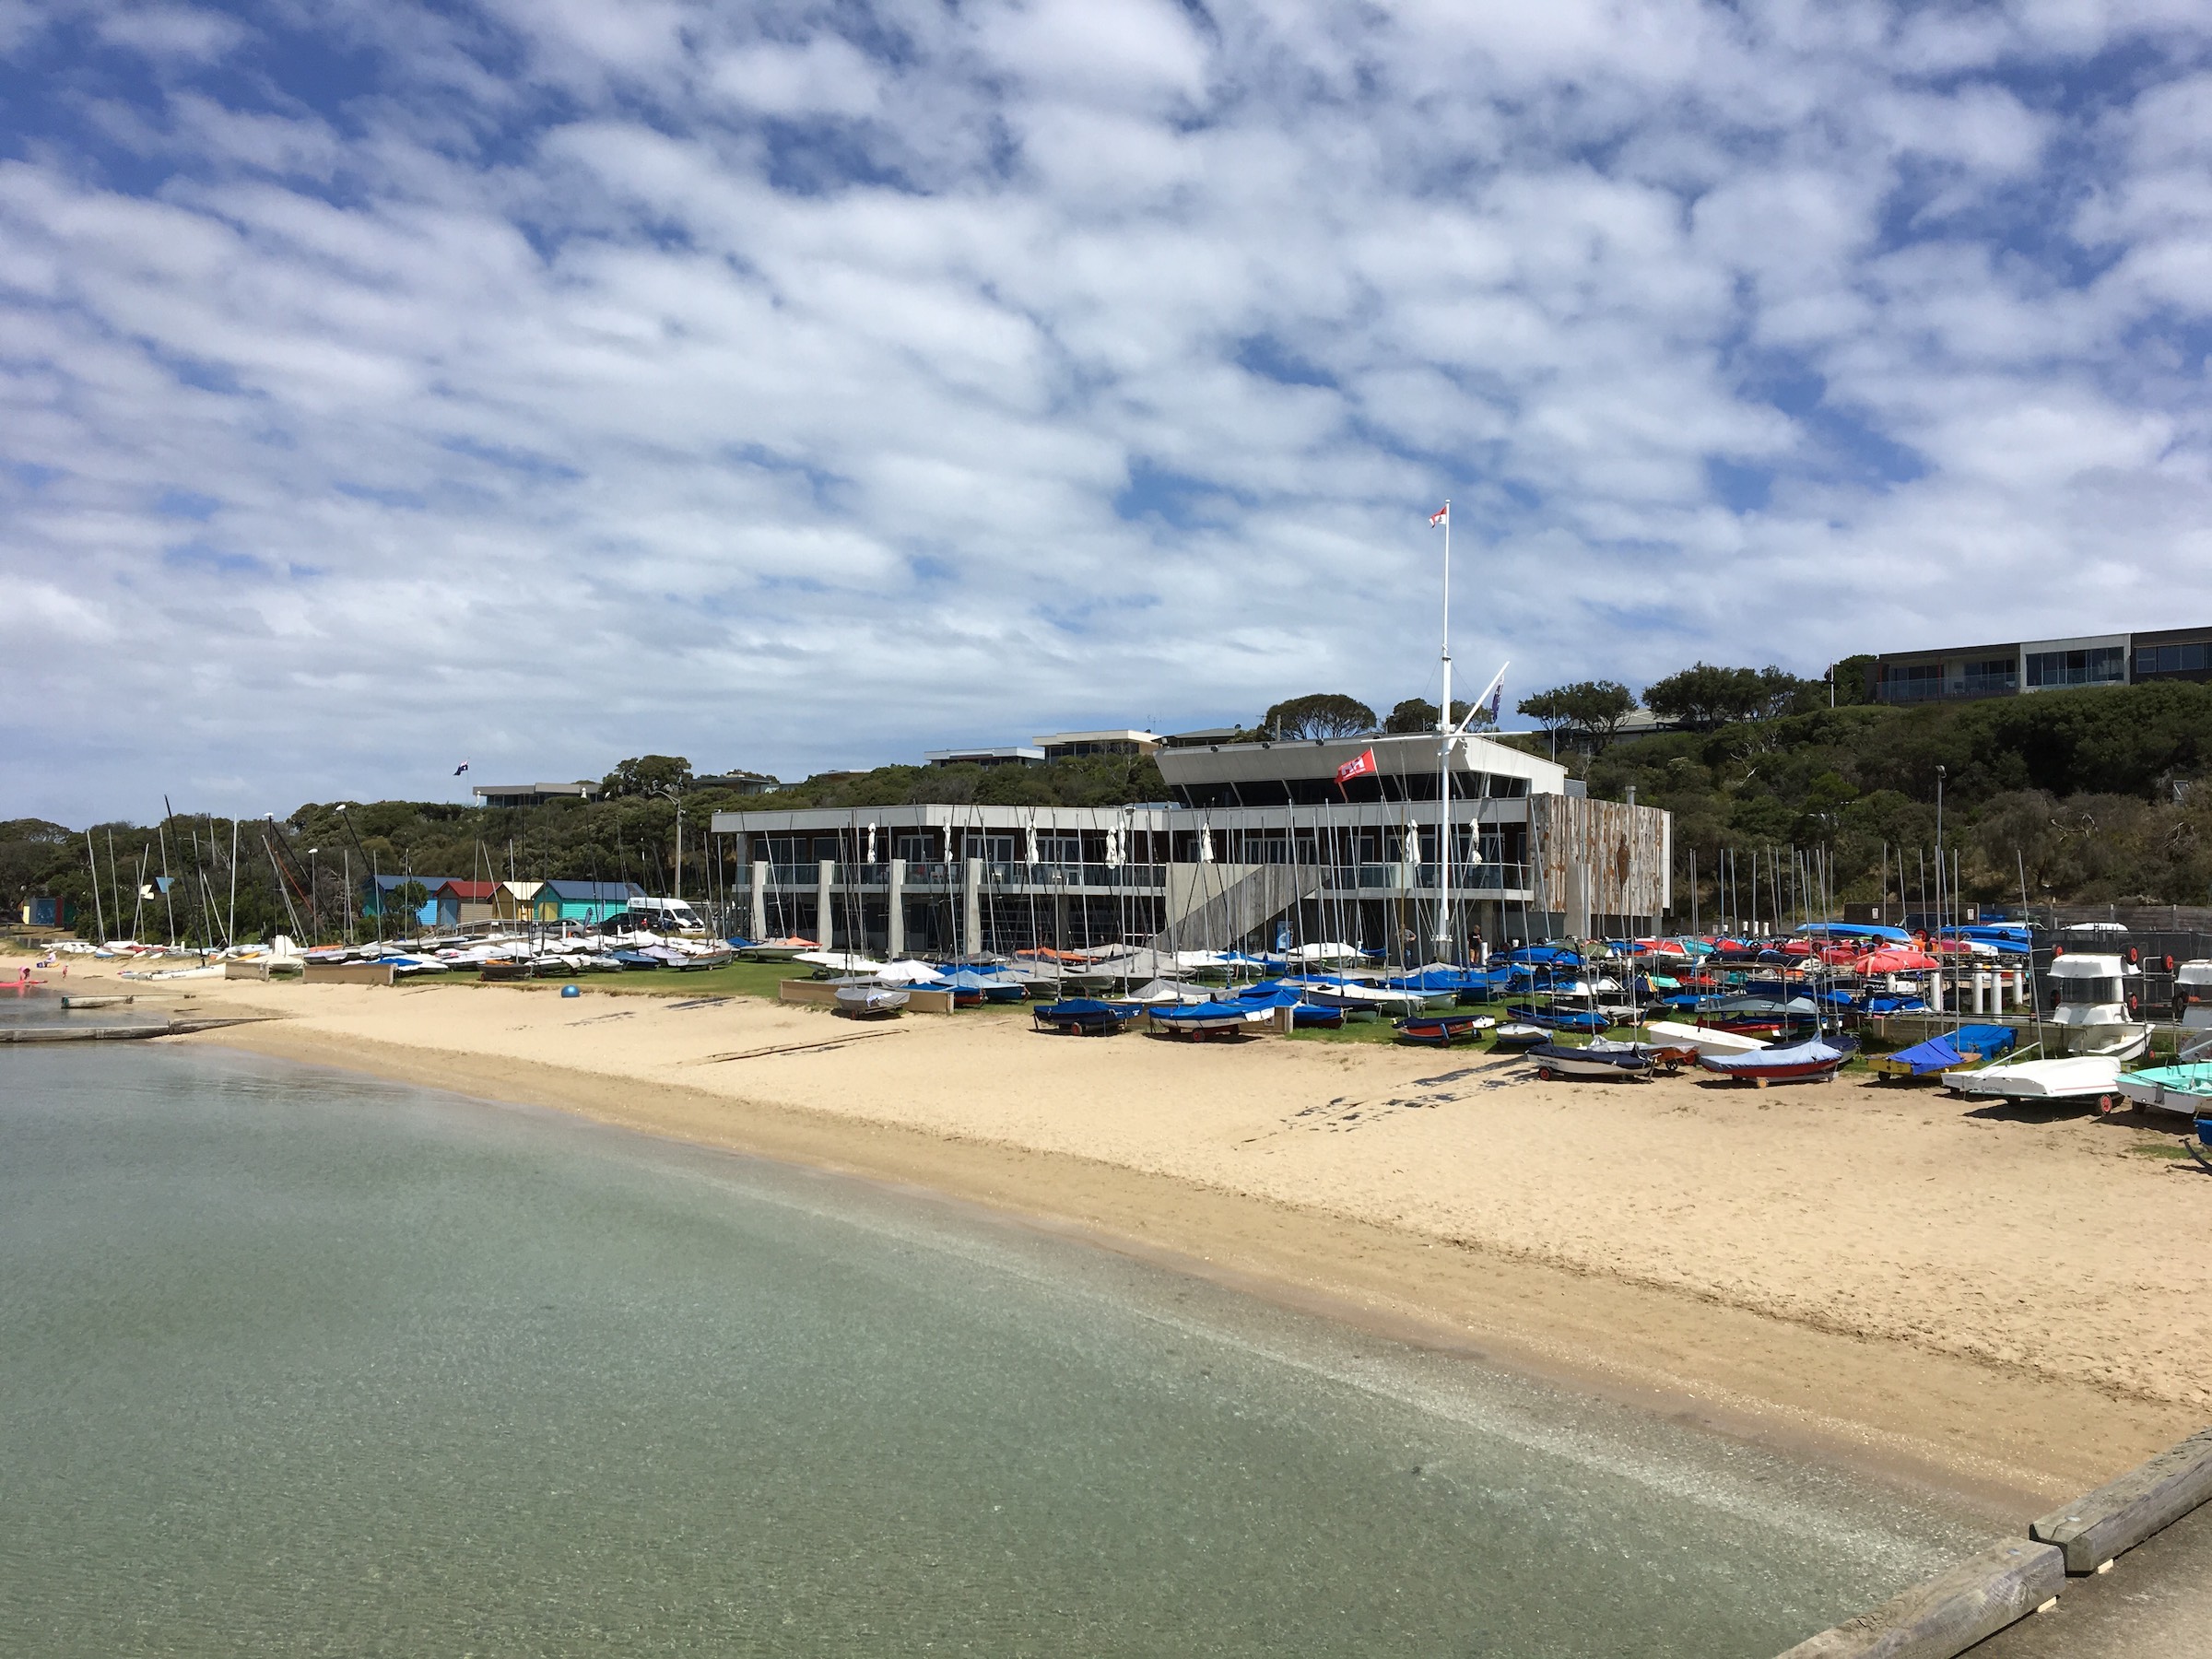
(2102, 665)
(1911, 682)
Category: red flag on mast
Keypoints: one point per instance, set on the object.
(1361, 765)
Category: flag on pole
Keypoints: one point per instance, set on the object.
(1492, 698)
(1361, 765)
(1443, 515)
(460, 769)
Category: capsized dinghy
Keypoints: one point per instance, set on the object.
(870, 1002)
(1199, 1020)
(1813, 1062)
(1442, 1029)
(1669, 1034)
(2074, 1077)
(1969, 1045)
(1082, 1016)
(1609, 1060)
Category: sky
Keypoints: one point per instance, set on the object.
(534, 382)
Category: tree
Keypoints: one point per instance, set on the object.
(1418, 715)
(1849, 677)
(1319, 714)
(1594, 710)
(1704, 697)
(647, 774)
(1782, 693)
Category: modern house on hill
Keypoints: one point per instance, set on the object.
(1965, 672)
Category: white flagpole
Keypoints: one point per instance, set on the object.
(1443, 770)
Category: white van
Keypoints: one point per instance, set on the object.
(667, 915)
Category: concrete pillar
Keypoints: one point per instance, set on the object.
(971, 906)
(759, 874)
(825, 910)
(894, 939)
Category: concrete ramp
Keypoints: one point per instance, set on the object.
(1250, 901)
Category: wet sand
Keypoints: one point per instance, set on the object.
(1992, 1302)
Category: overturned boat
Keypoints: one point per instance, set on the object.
(2072, 1077)
(1813, 1062)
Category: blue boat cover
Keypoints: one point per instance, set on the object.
(1935, 1054)
(1774, 1059)
(1204, 1011)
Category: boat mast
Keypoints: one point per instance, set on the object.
(1444, 764)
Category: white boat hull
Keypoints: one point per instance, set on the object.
(1669, 1033)
(2117, 1041)
(2075, 1077)
(2164, 1096)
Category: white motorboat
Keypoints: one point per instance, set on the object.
(2073, 1078)
(2122, 1042)
(1669, 1033)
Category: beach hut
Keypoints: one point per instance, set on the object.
(525, 901)
(587, 902)
(380, 897)
(459, 902)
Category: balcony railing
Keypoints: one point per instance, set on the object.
(1370, 879)
(993, 873)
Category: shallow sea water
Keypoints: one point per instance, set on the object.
(296, 1362)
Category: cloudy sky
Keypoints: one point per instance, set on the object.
(539, 382)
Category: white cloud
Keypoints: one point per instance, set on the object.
(701, 378)
(187, 33)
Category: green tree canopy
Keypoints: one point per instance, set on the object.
(1592, 710)
(1704, 697)
(647, 774)
(1418, 715)
(1318, 715)
(1849, 677)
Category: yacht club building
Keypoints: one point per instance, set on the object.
(1258, 841)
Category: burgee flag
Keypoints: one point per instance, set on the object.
(1443, 515)
(1361, 765)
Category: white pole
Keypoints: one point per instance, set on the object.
(1444, 768)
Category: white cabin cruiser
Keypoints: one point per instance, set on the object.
(2193, 995)
(2099, 1006)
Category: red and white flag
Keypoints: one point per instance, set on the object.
(1361, 765)
(1443, 515)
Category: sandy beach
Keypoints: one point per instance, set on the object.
(1998, 1303)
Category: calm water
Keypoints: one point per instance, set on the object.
(292, 1362)
(42, 1007)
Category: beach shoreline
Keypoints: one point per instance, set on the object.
(1431, 1198)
